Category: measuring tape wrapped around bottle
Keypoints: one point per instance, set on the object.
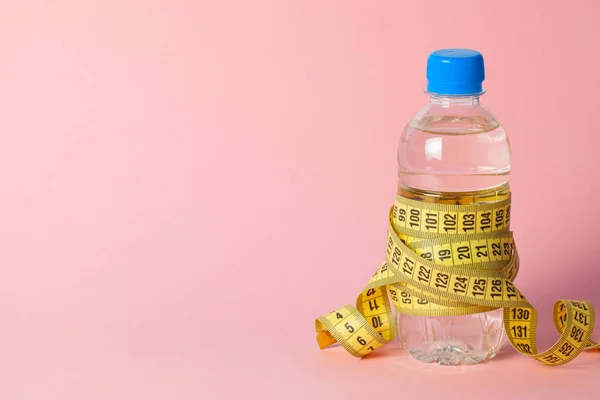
(433, 268)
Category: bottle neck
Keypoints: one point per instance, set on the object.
(454, 101)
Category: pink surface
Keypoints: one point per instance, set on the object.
(180, 179)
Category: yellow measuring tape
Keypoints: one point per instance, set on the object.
(445, 260)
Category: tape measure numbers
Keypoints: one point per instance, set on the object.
(445, 260)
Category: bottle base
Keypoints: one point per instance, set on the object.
(453, 352)
(452, 340)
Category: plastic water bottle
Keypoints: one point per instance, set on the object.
(455, 152)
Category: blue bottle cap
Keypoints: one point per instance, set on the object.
(455, 72)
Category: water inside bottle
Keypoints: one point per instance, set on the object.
(463, 160)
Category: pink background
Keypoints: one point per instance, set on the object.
(178, 179)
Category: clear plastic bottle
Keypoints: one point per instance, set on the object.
(454, 151)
